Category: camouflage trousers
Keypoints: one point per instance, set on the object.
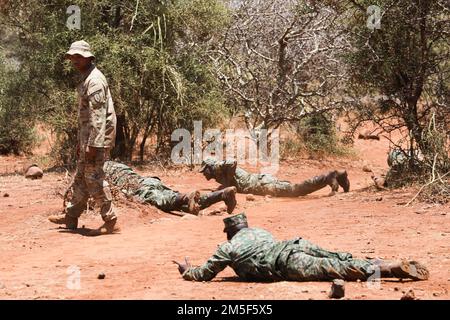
(157, 194)
(90, 181)
(269, 185)
(147, 189)
(309, 262)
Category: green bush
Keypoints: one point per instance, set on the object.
(318, 134)
(16, 120)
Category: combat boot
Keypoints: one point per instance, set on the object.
(188, 202)
(403, 270)
(342, 179)
(229, 197)
(107, 228)
(70, 222)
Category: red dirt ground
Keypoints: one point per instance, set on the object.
(36, 255)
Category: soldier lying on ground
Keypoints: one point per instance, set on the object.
(228, 174)
(151, 190)
(255, 256)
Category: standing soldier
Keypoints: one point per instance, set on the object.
(96, 135)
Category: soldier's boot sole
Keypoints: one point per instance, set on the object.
(70, 222)
(411, 270)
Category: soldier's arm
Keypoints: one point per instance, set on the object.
(97, 113)
(219, 261)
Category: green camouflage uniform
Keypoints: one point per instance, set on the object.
(146, 189)
(97, 129)
(256, 256)
(226, 173)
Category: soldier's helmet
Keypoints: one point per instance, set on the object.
(239, 219)
(80, 47)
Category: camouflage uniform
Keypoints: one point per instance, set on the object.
(149, 189)
(256, 256)
(228, 174)
(96, 128)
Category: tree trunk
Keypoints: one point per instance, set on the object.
(142, 147)
(120, 149)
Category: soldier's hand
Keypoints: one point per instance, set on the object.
(182, 267)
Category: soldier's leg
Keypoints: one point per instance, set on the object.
(334, 179)
(269, 185)
(152, 191)
(316, 251)
(97, 186)
(228, 195)
(304, 267)
(317, 183)
(280, 189)
(76, 204)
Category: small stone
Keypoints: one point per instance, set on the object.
(436, 294)
(358, 280)
(379, 199)
(223, 208)
(305, 291)
(267, 198)
(101, 276)
(337, 289)
(410, 295)
(34, 172)
(366, 168)
(6, 195)
(396, 289)
(250, 197)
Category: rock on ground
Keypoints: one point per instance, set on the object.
(337, 289)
